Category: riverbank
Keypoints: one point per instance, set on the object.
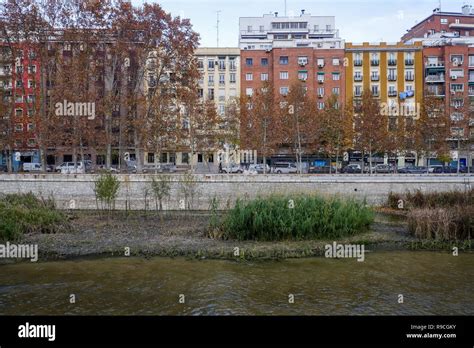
(186, 234)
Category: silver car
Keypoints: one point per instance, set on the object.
(285, 168)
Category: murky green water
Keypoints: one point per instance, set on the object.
(431, 283)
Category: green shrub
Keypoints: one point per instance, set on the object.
(25, 213)
(311, 217)
(106, 190)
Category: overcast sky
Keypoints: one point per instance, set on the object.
(357, 20)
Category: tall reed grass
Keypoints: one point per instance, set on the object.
(296, 218)
(26, 213)
(420, 199)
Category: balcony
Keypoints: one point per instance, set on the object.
(439, 65)
(435, 78)
(392, 93)
(375, 78)
(374, 62)
(358, 78)
(357, 62)
(375, 93)
(409, 77)
(409, 61)
(392, 62)
(392, 77)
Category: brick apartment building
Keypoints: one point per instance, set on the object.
(448, 55)
(20, 78)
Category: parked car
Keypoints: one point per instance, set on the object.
(382, 169)
(32, 167)
(259, 168)
(71, 168)
(352, 169)
(413, 170)
(3, 168)
(232, 168)
(321, 169)
(285, 168)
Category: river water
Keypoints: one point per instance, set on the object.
(430, 282)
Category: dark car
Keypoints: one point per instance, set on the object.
(3, 168)
(352, 169)
(413, 170)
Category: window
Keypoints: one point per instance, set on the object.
(284, 90)
(375, 90)
(200, 93)
(264, 62)
(19, 112)
(335, 90)
(335, 61)
(471, 60)
(210, 93)
(200, 64)
(321, 105)
(457, 59)
(232, 64)
(328, 27)
(31, 98)
(210, 79)
(336, 76)
(32, 69)
(30, 127)
(19, 83)
(221, 63)
(248, 61)
(249, 77)
(320, 62)
(358, 91)
(221, 79)
(444, 21)
(302, 60)
(264, 76)
(262, 28)
(320, 77)
(210, 65)
(31, 84)
(249, 92)
(457, 87)
(18, 127)
(303, 75)
(151, 157)
(249, 28)
(185, 157)
(232, 78)
(221, 109)
(320, 91)
(284, 60)
(283, 75)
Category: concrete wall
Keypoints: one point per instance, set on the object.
(77, 191)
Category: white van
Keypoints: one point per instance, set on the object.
(69, 168)
(32, 167)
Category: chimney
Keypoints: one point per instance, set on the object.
(276, 14)
(302, 12)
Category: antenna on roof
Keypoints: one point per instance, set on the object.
(217, 26)
(285, 8)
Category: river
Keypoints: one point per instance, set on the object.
(430, 282)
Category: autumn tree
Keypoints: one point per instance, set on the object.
(260, 123)
(300, 117)
(335, 128)
(370, 126)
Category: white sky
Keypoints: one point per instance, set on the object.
(357, 20)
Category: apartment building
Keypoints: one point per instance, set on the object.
(220, 75)
(448, 56)
(392, 73)
(284, 49)
(20, 81)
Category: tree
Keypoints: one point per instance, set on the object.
(260, 124)
(432, 128)
(370, 126)
(300, 117)
(335, 128)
